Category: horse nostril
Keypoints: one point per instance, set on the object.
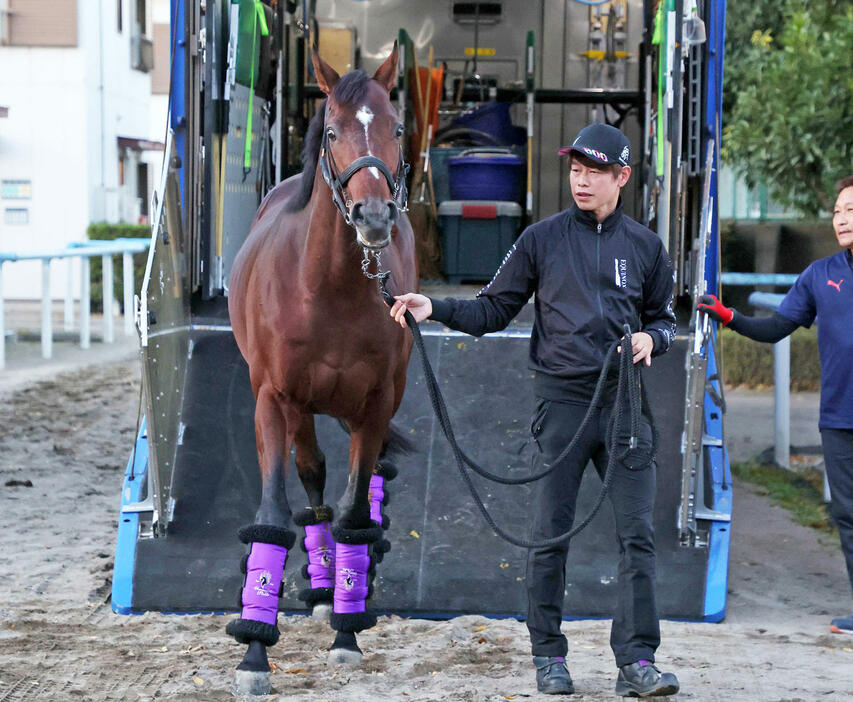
(356, 214)
(392, 211)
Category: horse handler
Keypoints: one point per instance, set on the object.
(825, 291)
(593, 270)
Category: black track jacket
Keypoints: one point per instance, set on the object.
(590, 279)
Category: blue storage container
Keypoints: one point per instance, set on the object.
(493, 119)
(486, 174)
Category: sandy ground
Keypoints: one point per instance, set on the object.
(63, 445)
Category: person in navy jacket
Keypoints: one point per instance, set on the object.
(823, 292)
(592, 269)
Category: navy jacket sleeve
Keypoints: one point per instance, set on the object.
(657, 315)
(502, 299)
(766, 329)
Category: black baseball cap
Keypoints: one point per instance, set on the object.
(601, 143)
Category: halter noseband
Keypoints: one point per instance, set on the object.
(337, 182)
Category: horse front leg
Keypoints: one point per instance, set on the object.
(354, 533)
(269, 539)
(316, 521)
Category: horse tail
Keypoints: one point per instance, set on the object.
(396, 440)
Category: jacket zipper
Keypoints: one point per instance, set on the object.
(598, 278)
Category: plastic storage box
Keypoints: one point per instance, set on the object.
(476, 235)
(493, 118)
(485, 174)
(439, 157)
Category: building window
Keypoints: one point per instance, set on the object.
(142, 189)
(16, 215)
(16, 189)
(140, 16)
(39, 23)
(141, 46)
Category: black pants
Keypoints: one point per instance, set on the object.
(838, 457)
(635, 634)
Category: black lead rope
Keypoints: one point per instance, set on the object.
(626, 383)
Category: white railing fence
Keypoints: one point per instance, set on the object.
(79, 253)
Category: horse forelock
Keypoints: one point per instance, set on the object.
(349, 90)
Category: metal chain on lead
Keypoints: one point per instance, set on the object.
(365, 262)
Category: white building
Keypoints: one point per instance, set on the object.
(81, 142)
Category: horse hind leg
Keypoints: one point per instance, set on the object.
(269, 539)
(316, 521)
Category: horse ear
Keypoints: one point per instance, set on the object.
(327, 77)
(386, 74)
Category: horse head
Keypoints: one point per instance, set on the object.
(362, 132)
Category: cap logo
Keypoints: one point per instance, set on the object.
(595, 154)
(626, 152)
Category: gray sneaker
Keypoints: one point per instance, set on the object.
(552, 676)
(643, 679)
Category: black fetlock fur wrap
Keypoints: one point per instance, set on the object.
(316, 595)
(354, 622)
(386, 470)
(355, 537)
(267, 534)
(246, 630)
(378, 551)
(313, 515)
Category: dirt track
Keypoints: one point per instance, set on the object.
(69, 437)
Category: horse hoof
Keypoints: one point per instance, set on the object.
(344, 656)
(252, 682)
(321, 612)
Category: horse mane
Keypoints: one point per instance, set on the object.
(350, 88)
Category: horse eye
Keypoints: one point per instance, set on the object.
(398, 132)
(330, 134)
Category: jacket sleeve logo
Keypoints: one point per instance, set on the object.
(620, 272)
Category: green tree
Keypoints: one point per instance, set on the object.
(742, 20)
(791, 122)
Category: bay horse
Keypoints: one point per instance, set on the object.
(309, 319)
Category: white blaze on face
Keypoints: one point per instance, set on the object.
(365, 116)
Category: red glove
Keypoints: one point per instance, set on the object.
(716, 310)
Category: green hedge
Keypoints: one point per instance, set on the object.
(103, 231)
(750, 363)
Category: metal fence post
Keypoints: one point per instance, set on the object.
(2, 322)
(46, 311)
(127, 281)
(69, 295)
(85, 292)
(782, 402)
(107, 296)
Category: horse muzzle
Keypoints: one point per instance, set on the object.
(373, 220)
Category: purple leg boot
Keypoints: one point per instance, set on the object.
(320, 547)
(264, 569)
(352, 578)
(378, 496)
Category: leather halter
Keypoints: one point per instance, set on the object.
(337, 181)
